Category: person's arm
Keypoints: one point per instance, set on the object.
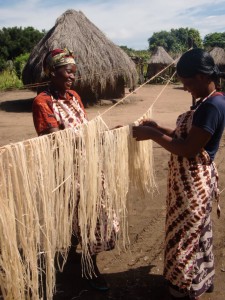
(43, 115)
(49, 130)
(153, 124)
(195, 141)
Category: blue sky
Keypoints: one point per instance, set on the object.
(125, 22)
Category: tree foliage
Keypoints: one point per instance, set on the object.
(15, 41)
(176, 40)
(129, 51)
(142, 54)
(19, 63)
(215, 39)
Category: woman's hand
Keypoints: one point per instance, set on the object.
(152, 124)
(142, 133)
(196, 139)
(149, 122)
(116, 127)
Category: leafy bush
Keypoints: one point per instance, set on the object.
(2, 64)
(19, 63)
(9, 79)
(17, 40)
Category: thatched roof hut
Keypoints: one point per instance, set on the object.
(103, 68)
(158, 61)
(218, 55)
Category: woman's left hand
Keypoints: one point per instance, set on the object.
(141, 133)
(116, 127)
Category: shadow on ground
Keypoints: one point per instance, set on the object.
(20, 105)
(135, 284)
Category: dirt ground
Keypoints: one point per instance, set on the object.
(137, 273)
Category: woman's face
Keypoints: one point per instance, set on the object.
(64, 76)
(198, 85)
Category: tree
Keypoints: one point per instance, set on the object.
(161, 38)
(215, 39)
(176, 40)
(15, 41)
(140, 58)
(19, 63)
(194, 38)
(129, 51)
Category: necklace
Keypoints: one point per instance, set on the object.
(199, 102)
(208, 95)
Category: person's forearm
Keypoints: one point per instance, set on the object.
(165, 130)
(195, 141)
(176, 146)
(153, 124)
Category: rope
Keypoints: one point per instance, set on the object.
(134, 91)
(150, 79)
(160, 93)
(222, 191)
(78, 78)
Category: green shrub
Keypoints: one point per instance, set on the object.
(9, 79)
(19, 63)
(2, 64)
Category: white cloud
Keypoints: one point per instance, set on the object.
(125, 22)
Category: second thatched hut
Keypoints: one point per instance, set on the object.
(158, 61)
(218, 55)
(103, 68)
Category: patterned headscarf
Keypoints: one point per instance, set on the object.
(57, 58)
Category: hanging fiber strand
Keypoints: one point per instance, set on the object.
(40, 220)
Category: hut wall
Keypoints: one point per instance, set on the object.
(154, 69)
(116, 91)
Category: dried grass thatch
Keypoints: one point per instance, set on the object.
(218, 55)
(103, 68)
(160, 56)
(159, 60)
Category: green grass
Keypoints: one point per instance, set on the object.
(9, 80)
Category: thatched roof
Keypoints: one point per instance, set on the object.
(218, 55)
(160, 56)
(101, 64)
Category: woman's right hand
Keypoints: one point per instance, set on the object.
(149, 122)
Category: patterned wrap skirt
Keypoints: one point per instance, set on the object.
(192, 186)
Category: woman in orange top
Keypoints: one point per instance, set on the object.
(57, 108)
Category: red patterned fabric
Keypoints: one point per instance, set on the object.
(43, 112)
(53, 112)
